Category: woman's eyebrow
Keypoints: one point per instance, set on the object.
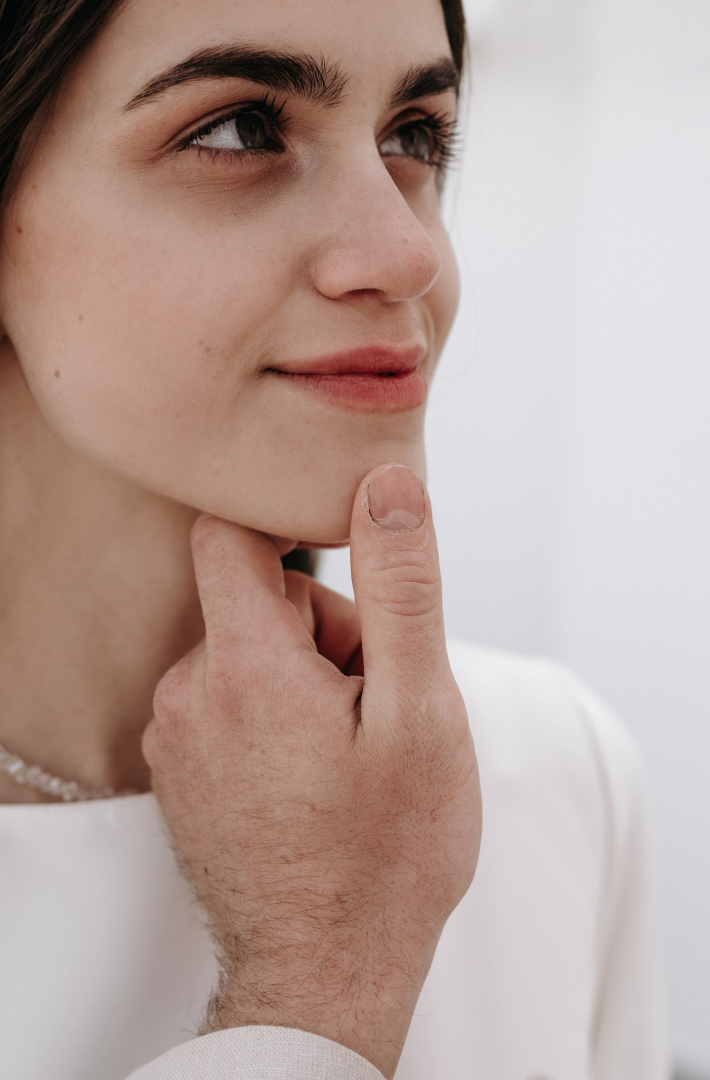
(301, 74)
(427, 79)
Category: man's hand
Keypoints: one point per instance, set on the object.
(329, 820)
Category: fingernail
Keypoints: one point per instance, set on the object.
(396, 499)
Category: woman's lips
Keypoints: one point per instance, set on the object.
(382, 393)
(374, 379)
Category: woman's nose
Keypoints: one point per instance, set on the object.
(372, 242)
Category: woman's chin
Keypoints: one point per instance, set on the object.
(306, 507)
(287, 532)
(315, 538)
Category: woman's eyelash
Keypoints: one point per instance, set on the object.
(443, 129)
(266, 107)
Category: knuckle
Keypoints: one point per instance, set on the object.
(151, 745)
(170, 692)
(409, 587)
(172, 695)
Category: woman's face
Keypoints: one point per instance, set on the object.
(224, 271)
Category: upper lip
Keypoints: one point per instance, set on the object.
(366, 360)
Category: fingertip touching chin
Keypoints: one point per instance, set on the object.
(290, 532)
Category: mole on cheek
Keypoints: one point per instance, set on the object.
(81, 318)
(19, 228)
(57, 374)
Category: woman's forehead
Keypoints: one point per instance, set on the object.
(361, 43)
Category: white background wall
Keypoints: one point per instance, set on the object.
(569, 432)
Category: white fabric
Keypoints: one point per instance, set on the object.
(260, 1053)
(545, 970)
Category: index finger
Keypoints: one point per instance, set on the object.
(241, 587)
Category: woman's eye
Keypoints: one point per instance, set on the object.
(412, 141)
(244, 132)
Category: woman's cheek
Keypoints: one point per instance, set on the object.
(137, 314)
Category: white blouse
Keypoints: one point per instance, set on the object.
(545, 971)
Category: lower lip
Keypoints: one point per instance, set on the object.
(364, 392)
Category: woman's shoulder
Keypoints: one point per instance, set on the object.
(532, 717)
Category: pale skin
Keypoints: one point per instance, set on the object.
(155, 285)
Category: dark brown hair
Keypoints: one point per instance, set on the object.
(40, 39)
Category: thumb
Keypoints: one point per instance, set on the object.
(397, 584)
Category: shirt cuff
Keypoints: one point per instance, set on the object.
(259, 1053)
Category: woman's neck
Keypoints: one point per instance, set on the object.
(97, 601)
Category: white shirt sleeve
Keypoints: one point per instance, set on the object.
(259, 1053)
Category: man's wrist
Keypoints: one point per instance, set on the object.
(372, 1022)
